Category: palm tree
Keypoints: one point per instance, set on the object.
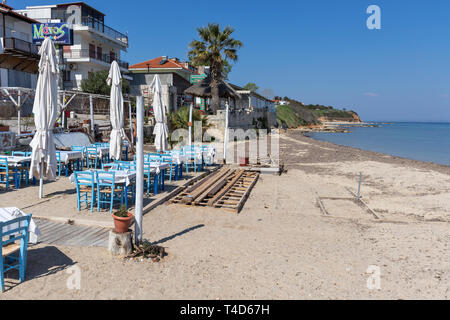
(180, 120)
(215, 48)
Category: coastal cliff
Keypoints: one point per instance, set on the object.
(297, 115)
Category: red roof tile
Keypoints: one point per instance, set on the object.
(154, 64)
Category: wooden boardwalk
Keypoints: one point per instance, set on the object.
(62, 234)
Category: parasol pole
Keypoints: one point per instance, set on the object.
(41, 180)
(139, 169)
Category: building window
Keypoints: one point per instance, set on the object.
(99, 53)
(91, 51)
(67, 75)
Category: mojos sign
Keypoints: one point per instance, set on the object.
(60, 33)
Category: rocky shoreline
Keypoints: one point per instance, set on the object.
(337, 127)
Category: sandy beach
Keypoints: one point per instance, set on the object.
(281, 245)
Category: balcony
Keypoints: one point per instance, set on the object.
(19, 55)
(20, 46)
(88, 54)
(101, 27)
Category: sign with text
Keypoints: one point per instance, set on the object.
(197, 78)
(60, 33)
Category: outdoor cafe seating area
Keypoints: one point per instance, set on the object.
(103, 184)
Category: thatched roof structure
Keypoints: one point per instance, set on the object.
(203, 90)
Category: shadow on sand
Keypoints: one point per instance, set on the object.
(41, 262)
(179, 234)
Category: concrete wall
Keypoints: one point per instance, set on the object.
(141, 86)
(243, 120)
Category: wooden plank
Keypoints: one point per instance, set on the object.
(205, 179)
(198, 192)
(226, 188)
(219, 184)
(247, 194)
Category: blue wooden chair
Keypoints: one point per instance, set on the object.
(19, 154)
(92, 157)
(125, 152)
(85, 182)
(150, 179)
(80, 149)
(168, 159)
(105, 157)
(24, 169)
(191, 160)
(6, 173)
(61, 165)
(126, 165)
(13, 254)
(107, 193)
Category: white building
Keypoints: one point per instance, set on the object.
(18, 56)
(95, 45)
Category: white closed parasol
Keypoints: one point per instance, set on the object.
(161, 131)
(43, 158)
(116, 111)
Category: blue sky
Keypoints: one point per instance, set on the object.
(317, 51)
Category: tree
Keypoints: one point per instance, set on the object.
(180, 120)
(215, 48)
(251, 87)
(96, 84)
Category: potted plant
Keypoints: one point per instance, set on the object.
(4, 127)
(122, 220)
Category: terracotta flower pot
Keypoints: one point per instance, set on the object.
(122, 225)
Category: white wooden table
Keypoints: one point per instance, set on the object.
(16, 161)
(8, 214)
(67, 156)
(121, 176)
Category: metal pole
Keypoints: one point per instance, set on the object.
(41, 181)
(131, 122)
(190, 123)
(225, 138)
(139, 168)
(91, 109)
(19, 130)
(63, 111)
(358, 197)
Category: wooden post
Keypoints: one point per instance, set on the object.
(131, 122)
(120, 244)
(225, 138)
(190, 123)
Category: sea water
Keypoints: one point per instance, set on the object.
(418, 141)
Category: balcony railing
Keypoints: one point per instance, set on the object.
(100, 26)
(20, 45)
(85, 53)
